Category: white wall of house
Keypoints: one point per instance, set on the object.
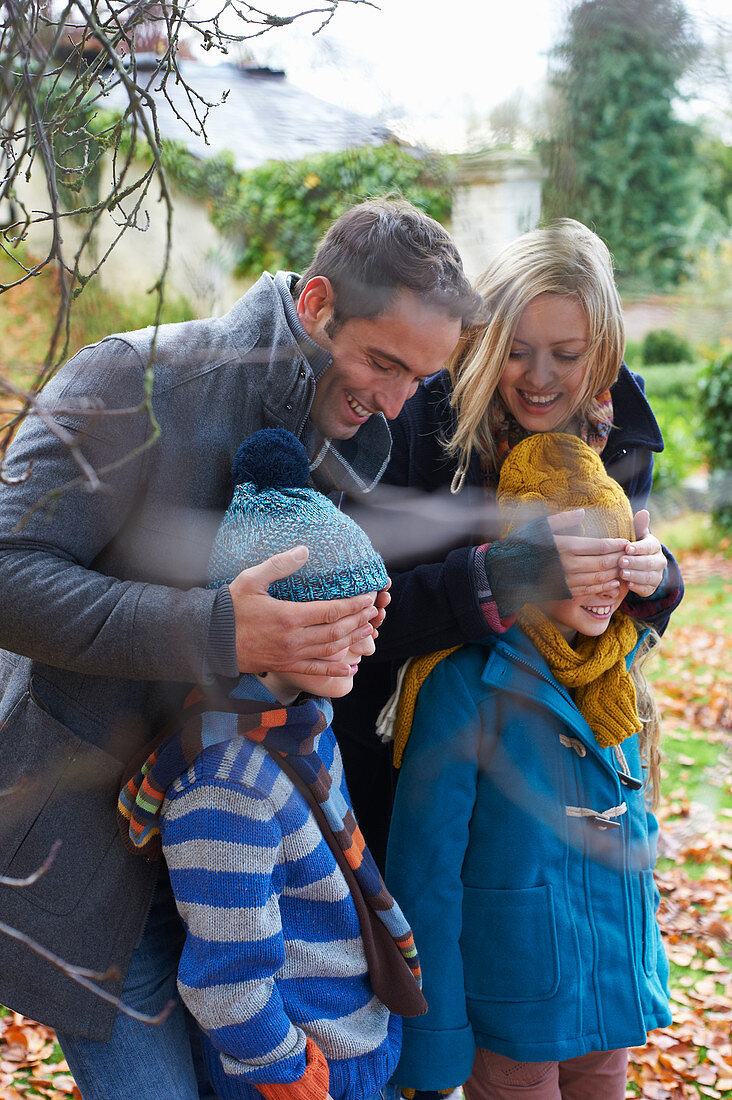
(498, 197)
(201, 261)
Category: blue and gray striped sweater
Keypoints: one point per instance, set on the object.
(273, 950)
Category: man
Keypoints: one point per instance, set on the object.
(105, 618)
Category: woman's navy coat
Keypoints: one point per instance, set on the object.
(427, 537)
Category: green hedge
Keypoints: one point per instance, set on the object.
(278, 212)
(716, 402)
(673, 393)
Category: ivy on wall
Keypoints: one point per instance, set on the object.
(278, 212)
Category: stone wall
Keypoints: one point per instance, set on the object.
(201, 260)
(498, 198)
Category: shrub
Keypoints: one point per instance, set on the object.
(279, 211)
(276, 213)
(716, 399)
(633, 354)
(660, 345)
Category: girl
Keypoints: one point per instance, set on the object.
(522, 845)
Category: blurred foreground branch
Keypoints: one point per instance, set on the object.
(59, 62)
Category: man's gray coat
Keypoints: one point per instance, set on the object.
(105, 620)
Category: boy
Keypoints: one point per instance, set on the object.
(294, 951)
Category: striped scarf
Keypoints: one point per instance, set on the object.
(288, 733)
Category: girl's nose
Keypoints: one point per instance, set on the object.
(541, 370)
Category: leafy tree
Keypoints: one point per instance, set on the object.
(717, 184)
(619, 158)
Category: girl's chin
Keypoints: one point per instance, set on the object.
(548, 417)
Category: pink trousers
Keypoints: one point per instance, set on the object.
(601, 1075)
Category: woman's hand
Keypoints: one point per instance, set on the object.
(643, 563)
(591, 566)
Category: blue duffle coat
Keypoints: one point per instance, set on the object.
(522, 854)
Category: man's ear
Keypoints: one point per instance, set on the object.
(315, 304)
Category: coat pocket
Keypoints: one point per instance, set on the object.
(651, 932)
(55, 787)
(509, 944)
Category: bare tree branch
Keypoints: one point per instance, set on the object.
(45, 866)
(59, 61)
(87, 978)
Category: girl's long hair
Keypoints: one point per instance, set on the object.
(565, 258)
(650, 734)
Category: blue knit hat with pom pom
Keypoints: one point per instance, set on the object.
(273, 510)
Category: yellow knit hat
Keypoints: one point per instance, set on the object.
(554, 472)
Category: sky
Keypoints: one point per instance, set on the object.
(429, 60)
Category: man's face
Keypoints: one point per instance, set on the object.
(378, 362)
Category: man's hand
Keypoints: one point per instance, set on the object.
(591, 566)
(645, 563)
(282, 636)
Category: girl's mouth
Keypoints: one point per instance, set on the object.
(599, 612)
(539, 400)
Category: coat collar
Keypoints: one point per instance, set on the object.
(515, 666)
(634, 424)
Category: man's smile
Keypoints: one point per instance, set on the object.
(357, 408)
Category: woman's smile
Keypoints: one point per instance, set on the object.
(544, 379)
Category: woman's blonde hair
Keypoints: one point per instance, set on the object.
(650, 734)
(565, 258)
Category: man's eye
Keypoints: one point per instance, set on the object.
(380, 366)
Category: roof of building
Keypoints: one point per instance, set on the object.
(263, 116)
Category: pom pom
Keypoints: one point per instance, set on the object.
(272, 459)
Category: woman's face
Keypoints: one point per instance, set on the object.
(545, 376)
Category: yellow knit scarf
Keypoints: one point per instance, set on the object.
(595, 670)
(416, 674)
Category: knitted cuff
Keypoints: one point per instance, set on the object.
(220, 658)
(313, 1085)
(483, 591)
(430, 1094)
(525, 568)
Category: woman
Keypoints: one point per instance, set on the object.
(549, 358)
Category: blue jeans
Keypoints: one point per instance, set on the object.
(389, 1092)
(142, 1061)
